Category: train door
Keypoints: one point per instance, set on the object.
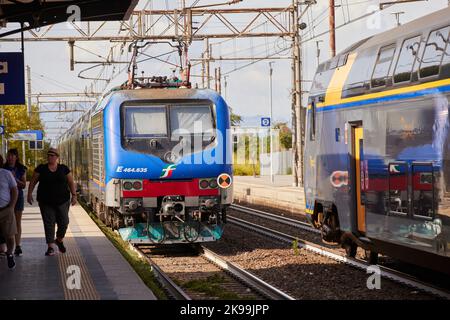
(358, 155)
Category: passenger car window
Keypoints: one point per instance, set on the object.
(343, 60)
(434, 52)
(445, 66)
(406, 59)
(334, 63)
(398, 188)
(382, 66)
(422, 188)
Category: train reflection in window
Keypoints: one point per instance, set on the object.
(398, 188)
(434, 51)
(406, 60)
(423, 190)
(382, 66)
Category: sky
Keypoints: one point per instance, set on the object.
(248, 88)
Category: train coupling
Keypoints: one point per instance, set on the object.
(173, 205)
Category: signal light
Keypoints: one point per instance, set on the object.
(127, 185)
(204, 184)
(137, 185)
(213, 184)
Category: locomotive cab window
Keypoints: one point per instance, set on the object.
(382, 66)
(139, 118)
(168, 130)
(194, 120)
(434, 51)
(405, 63)
(398, 188)
(312, 121)
(423, 190)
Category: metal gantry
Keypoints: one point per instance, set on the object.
(193, 24)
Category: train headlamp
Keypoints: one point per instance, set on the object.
(137, 185)
(213, 184)
(128, 185)
(204, 184)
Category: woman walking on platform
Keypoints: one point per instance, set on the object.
(18, 171)
(53, 195)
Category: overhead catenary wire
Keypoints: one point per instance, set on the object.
(343, 25)
(256, 61)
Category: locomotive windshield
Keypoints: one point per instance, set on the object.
(196, 120)
(168, 130)
(137, 120)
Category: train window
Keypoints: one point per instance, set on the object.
(434, 51)
(343, 60)
(398, 188)
(312, 122)
(423, 190)
(334, 63)
(137, 119)
(382, 66)
(445, 66)
(192, 120)
(406, 59)
(320, 68)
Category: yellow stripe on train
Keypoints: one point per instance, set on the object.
(101, 184)
(332, 99)
(334, 91)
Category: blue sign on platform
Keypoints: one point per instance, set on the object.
(2, 130)
(39, 135)
(265, 122)
(12, 78)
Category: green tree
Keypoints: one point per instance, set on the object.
(235, 118)
(285, 135)
(16, 119)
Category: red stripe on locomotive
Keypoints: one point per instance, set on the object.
(170, 188)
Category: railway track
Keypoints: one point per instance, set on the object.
(173, 290)
(234, 279)
(388, 273)
(275, 217)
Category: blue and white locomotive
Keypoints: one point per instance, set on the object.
(155, 162)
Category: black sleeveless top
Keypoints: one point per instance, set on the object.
(53, 186)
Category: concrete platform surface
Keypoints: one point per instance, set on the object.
(281, 194)
(91, 269)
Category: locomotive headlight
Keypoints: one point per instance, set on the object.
(213, 184)
(127, 185)
(204, 184)
(137, 185)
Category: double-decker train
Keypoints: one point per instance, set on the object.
(155, 162)
(377, 152)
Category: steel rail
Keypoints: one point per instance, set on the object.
(173, 289)
(246, 277)
(393, 275)
(275, 217)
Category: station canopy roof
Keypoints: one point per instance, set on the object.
(37, 13)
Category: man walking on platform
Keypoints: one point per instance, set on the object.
(8, 227)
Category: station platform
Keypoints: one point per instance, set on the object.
(261, 191)
(91, 269)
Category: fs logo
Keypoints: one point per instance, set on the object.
(167, 171)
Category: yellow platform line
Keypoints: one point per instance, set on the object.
(72, 257)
